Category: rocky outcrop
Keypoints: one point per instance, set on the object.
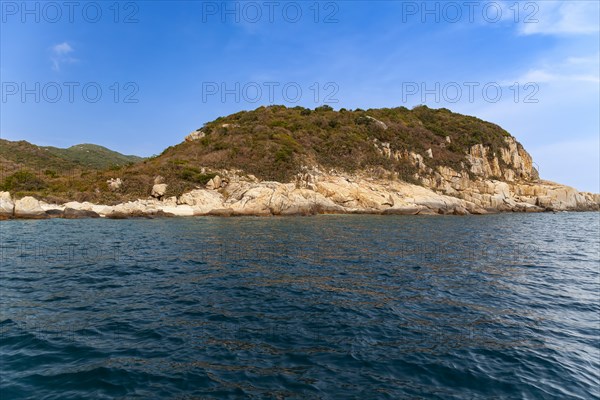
(201, 201)
(510, 164)
(214, 183)
(196, 135)
(7, 206)
(159, 190)
(316, 192)
(274, 198)
(514, 194)
(378, 123)
(29, 208)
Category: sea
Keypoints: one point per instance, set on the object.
(503, 306)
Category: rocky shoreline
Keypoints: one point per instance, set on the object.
(318, 193)
(489, 182)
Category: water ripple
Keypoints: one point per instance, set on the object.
(328, 307)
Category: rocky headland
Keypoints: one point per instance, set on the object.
(437, 176)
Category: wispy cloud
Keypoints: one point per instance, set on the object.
(562, 18)
(571, 69)
(61, 54)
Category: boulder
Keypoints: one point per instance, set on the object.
(7, 206)
(51, 207)
(159, 190)
(254, 200)
(196, 135)
(378, 123)
(214, 183)
(202, 201)
(29, 207)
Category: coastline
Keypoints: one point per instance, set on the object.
(317, 193)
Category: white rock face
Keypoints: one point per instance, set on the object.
(196, 135)
(201, 201)
(29, 207)
(159, 190)
(274, 198)
(49, 207)
(215, 183)
(102, 210)
(379, 123)
(6, 204)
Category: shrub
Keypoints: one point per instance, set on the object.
(323, 108)
(194, 175)
(284, 154)
(23, 181)
(363, 120)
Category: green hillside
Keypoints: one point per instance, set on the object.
(272, 143)
(22, 154)
(93, 156)
(27, 168)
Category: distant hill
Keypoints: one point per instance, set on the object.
(21, 155)
(93, 156)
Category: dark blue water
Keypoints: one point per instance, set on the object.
(332, 307)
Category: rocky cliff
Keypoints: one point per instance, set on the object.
(317, 192)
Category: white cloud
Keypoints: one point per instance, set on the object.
(570, 69)
(575, 17)
(62, 48)
(61, 55)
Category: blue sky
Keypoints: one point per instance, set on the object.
(161, 68)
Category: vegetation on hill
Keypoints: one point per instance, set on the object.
(31, 169)
(273, 143)
(23, 155)
(93, 156)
